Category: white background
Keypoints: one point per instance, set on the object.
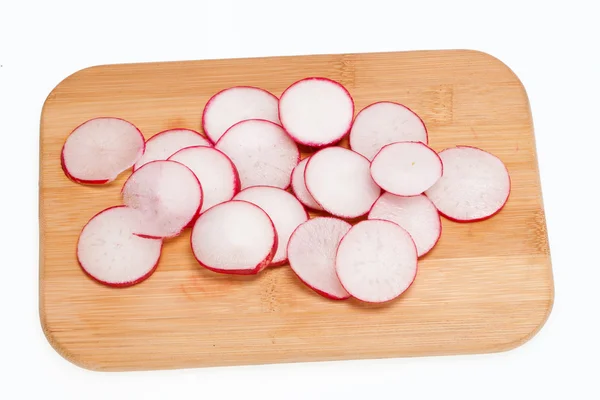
(552, 48)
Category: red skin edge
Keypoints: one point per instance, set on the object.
(194, 217)
(439, 222)
(206, 107)
(100, 181)
(313, 144)
(401, 105)
(284, 261)
(492, 214)
(294, 189)
(409, 141)
(320, 292)
(167, 131)
(236, 176)
(407, 287)
(250, 271)
(272, 123)
(278, 264)
(123, 284)
(324, 209)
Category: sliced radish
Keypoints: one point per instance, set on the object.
(383, 123)
(475, 185)
(312, 250)
(376, 261)
(299, 187)
(236, 104)
(166, 143)
(416, 214)
(316, 111)
(339, 180)
(262, 152)
(100, 149)
(235, 237)
(167, 193)
(215, 171)
(406, 168)
(110, 252)
(283, 208)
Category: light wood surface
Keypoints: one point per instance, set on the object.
(485, 287)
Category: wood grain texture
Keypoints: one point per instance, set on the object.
(485, 287)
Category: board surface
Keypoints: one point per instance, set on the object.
(485, 287)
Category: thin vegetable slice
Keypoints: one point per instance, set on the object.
(475, 185)
(100, 149)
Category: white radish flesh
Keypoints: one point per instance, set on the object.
(215, 171)
(235, 237)
(406, 168)
(110, 252)
(475, 185)
(262, 152)
(99, 150)
(339, 180)
(167, 193)
(312, 251)
(383, 123)
(236, 104)
(376, 261)
(164, 144)
(285, 212)
(299, 186)
(316, 111)
(416, 214)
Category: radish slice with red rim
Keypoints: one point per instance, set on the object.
(299, 186)
(416, 214)
(406, 168)
(215, 171)
(383, 123)
(262, 152)
(339, 180)
(235, 237)
(312, 251)
(166, 143)
(376, 261)
(235, 104)
(99, 150)
(167, 193)
(109, 252)
(316, 111)
(475, 185)
(283, 208)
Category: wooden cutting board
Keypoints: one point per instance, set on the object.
(486, 286)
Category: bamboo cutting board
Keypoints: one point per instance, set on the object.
(486, 286)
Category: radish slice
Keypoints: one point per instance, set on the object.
(215, 171)
(230, 106)
(416, 214)
(316, 111)
(235, 237)
(312, 250)
(167, 193)
(406, 168)
(283, 208)
(164, 144)
(339, 180)
(109, 251)
(376, 261)
(299, 187)
(383, 123)
(475, 185)
(262, 152)
(100, 149)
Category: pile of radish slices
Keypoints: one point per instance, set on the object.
(244, 190)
